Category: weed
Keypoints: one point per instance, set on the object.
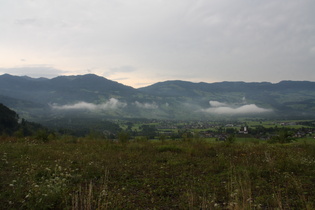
(89, 173)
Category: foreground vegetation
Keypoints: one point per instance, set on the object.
(82, 173)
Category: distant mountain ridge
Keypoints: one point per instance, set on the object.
(62, 89)
(162, 87)
(94, 95)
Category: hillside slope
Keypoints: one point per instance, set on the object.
(62, 89)
(94, 96)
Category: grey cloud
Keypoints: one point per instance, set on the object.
(121, 69)
(217, 40)
(27, 21)
(111, 104)
(241, 37)
(46, 22)
(34, 71)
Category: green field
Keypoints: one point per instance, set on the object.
(78, 173)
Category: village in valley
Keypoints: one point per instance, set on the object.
(220, 130)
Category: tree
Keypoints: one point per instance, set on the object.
(231, 138)
(42, 135)
(149, 130)
(123, 136)
(162, 137)
(8, 120)
(282, 137)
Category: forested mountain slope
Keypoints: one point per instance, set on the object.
(94, 96)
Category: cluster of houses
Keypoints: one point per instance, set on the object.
(221, 131)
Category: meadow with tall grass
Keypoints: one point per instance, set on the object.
(82, 173)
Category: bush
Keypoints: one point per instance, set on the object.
(230, 139)
(123, 136)
(283, 137)
(42, 135)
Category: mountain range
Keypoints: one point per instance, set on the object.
(94, 96)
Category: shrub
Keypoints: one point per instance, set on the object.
(42, 135)
(230, 139)
(282, 137)
(123, 136)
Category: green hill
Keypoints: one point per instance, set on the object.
(93, 96)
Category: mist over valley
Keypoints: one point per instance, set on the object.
(90, 95)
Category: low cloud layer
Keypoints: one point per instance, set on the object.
(111, 104)
(216, 104)
(223, 108)
(146, 105)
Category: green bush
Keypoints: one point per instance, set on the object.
(282, 137)
(42, 135)
(123, 136)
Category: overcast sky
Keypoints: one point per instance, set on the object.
(140, 42)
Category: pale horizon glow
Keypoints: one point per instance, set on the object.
(138, 43)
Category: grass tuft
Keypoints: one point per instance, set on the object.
(99, 174)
